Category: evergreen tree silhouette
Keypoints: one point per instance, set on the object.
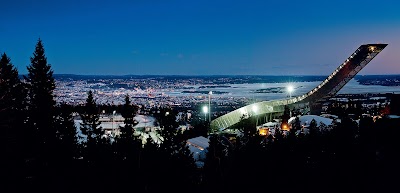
(176, 161)
(90, 121)
(41, 86)
(387, 159)
(65, 171)
(12, 117)
(151, 164)
(128, 113)
(343, 145)
(95, 149)
(67, 139)
(41, 134)
(296, 125)
(169, 130)
(177, 165)
(313, 129)
(213, 172)
(10, 95)
(247, 126)
(367, 151)
(129, 147)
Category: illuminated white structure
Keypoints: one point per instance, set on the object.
(326, 89)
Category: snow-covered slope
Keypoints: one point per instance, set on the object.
(306, 119)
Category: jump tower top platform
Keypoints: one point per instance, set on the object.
(326, 89)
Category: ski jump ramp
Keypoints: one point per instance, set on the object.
(326, 89)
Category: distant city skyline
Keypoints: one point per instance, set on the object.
(205, 37)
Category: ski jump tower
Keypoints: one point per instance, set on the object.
(326, 89)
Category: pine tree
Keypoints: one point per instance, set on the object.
(41, 105)
(128, 144)
(129, 148)
(296, 125)
(128, 112)
(12, 96)
(90, 121)
(313, 128)
(66, 134)
(9, 83)
(169, 132)
(183, 167)
(175, 161)
(67, 148)
(247, 126)
(93, 149)
(12, 100)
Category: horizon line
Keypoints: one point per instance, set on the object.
(209, 74)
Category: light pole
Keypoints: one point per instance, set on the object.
(209, 106)
(112, 125)
(290, 90)
(205, 110)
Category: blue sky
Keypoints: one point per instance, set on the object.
(200, 37)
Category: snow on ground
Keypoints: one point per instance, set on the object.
(271, 124)
(306, 120)
(198, 147)
(143, 122)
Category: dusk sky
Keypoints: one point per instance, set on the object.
(200, 37)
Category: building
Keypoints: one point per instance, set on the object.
(268, 110)
(198, 146)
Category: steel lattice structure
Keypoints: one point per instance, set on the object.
(326, 89)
